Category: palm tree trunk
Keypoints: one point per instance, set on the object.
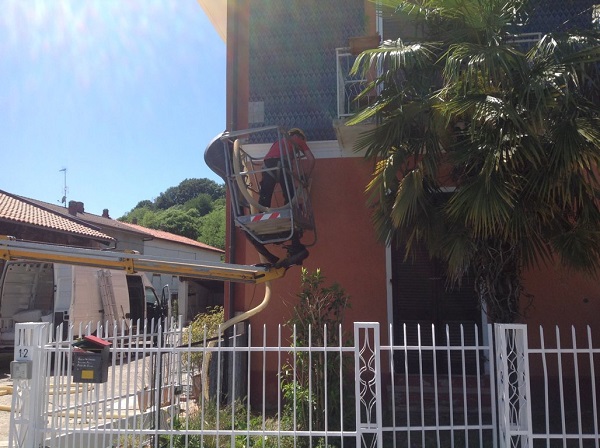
(498, 280)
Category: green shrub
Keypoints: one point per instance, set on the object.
(316, 320)
(207, 418)
(200, 333)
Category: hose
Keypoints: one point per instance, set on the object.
(254, 207)
(237, 166)
(6, 390)
(248, 314)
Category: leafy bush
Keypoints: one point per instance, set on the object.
(315, 321)
(201, 332)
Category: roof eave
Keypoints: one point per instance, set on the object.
(216, 11)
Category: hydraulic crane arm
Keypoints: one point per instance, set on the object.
(11, 249)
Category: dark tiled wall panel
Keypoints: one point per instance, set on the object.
(292, 54)
(292, 60)
(559, 15)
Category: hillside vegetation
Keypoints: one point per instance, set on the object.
(195, 209)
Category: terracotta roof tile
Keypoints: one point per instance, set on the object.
(17, 209)
(90, 218)
(58, 211)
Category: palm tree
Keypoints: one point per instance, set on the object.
(486, 152)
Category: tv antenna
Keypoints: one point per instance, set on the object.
(64, 198)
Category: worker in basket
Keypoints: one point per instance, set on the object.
(275, 174)
(296, 141)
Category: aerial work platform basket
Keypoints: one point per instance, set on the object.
(238, 157)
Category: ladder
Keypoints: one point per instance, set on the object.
(108, 298)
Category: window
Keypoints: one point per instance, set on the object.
(151, 297)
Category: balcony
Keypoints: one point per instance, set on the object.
(350, 86)
(525, 41)
(348, 89)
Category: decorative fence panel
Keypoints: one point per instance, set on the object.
(548, 393)
(254, 388)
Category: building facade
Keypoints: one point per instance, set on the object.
(287, 66)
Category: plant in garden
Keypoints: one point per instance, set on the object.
(200, 332)
(225, 418)
(310, 380)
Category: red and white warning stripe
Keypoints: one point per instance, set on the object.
(265, 216)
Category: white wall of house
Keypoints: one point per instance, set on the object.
(180, 289)
(126, 240)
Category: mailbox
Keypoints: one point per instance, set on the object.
(91, 357)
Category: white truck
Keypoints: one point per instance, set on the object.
(37, 291)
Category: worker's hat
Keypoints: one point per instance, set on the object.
(297, 131)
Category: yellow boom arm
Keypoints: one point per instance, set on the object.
(11, 249)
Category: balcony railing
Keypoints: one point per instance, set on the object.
(349, 86)
(526, 40)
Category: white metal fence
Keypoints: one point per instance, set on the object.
(547, 392)
(421, 387)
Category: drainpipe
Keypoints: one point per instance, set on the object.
(232, 112)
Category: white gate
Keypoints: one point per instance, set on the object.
(71, 393)
(548, 393)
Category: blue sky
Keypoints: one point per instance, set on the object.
(123, 94)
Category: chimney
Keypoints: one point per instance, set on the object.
(105, 213)
(134, 221)
(75, 207)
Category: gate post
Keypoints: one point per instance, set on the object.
(367, 385)
(29, 374)
(513, 385)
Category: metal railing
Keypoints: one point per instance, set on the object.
(349, 86)
(256, 388)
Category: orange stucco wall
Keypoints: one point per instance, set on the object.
(346, 250)
(563, 298)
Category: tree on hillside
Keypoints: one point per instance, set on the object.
(178, 221)
(197, 211)
(140, 215)
(486, 152)
(203, 203)
(146, 203)
(188, 190)
(212, 226)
